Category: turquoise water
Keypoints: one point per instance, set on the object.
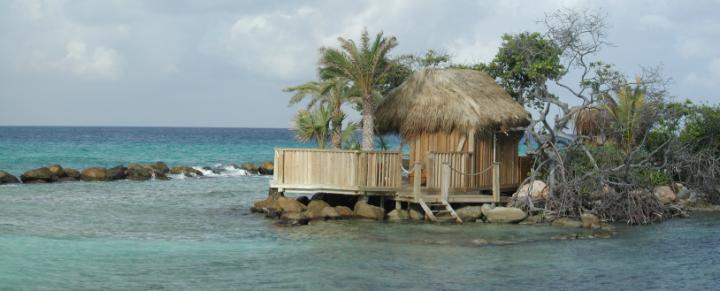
(198, 234)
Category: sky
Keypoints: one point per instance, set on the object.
(224, 63)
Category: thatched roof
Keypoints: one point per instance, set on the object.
(446, 100)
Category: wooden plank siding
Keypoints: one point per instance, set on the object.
(345, 170)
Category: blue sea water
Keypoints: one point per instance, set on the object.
(198, 233)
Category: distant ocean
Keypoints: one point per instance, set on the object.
(198, 233)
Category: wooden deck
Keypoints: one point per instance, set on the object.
(380, 173)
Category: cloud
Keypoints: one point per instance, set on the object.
(709, 77)
(98, 62)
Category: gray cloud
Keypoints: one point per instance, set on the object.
(224, 63)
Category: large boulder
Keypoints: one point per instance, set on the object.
(537, 190)
(7, 178)
(590, 220)
(117, 173)
(290, 205)
(665, 194)
(398, 215)
(415, 215)
(185, 171)
(39, 175)
(329, 213)
(139, 172)
(159, 167)
(504, 214)
(265, 205)
(469, 213)
(303, 199)
(364, 210)
(57, 170)
(72, 173)
(266, 168)
(315, 209)
(567, 222)
(94, 174)
(344, 211)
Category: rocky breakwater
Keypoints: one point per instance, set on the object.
(301, 211)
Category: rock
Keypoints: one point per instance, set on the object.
(57, 171)
(94, 174)
(364, 210)
(665, 194)
(534, 219)
(249, 167)
(567, 222)
(303, 199)
(315, 209)
(290, 205)
(72, 173)
(39, 175)
(293, 219)
(329, 213)
(485, 208)
(537, 190)
(415, 215)
(265, 205)
(684, 193)
(139, 172)
(504, 215)
(398, 215)
(117, 173)
(469, 213)
(266, 168)
(344, 211)
(160, 167)
(589, 220)
(7, 178)
(186, 171)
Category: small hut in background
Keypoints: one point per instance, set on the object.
(458, 117)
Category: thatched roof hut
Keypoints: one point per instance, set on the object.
(447, 100)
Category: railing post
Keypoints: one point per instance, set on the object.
(496, 181)
(445, 182)
(417, 179)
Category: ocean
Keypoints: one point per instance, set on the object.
(198, 233)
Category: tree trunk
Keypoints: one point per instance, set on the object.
(368, 142)
(337, 133)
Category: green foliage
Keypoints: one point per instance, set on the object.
(365, 64)
(702, 127)
(523, 65)
(313, 124)
(652, 178)
(626, 110)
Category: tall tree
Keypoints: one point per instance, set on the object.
(364, 64)
(627, 109)
(333, 93)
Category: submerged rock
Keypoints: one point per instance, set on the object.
(94, 174)
(469, 213)
(364, 210)
(590, 220)
(266, 168)
(504, 214)
(39, 175)
(398, 215)
(185, 171)
(534, 219)
(7, 178)
(293, 219)
(567, 222)
(665, 194)
(117, 173)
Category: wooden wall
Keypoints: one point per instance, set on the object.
(507, 154)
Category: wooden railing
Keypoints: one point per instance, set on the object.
(460, 161)
(337, 170)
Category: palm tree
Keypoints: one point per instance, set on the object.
(365, 66)
(627, 112)
(312, 124)
(333, 93)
